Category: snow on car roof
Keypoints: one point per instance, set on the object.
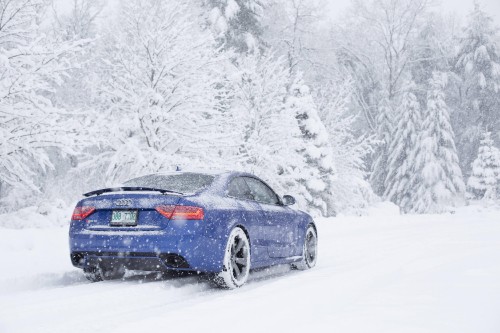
(208, 172)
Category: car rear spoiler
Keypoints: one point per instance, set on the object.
(128, 188)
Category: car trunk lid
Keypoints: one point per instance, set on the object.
(128, 211)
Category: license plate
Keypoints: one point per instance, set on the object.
(124, 217)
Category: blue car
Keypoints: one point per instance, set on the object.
(221, 223)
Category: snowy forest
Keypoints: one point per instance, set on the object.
(395, 101)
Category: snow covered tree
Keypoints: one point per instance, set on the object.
(269, 132)
(319, 173)
(159, 91)
(291, 28)
(80, 22)
(435, 45)
(352, 193)
(75, 21)
(401, 153)
(384, 137)
(376, 44)
(32, 66)
(478, 66)
(437, 182)
(484, 181)
(236, 23)
(78, 91)
(283, 138)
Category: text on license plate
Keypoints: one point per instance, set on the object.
(124, 217)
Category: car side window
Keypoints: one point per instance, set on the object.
(261, 192)
(239, 189)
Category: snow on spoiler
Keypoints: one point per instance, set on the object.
(127, 188)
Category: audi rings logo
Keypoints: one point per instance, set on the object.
(123, 202)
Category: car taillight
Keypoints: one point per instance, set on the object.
(82, 212)
(181, 212)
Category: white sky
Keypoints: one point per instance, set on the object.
(460, 7)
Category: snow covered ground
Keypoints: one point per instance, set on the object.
(375, 274)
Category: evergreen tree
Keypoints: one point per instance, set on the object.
(478, 66)
(400, 159)
(438, 181)
(283, 138)
(236, 23)
(384, 136)
(318, 176)
(430, 55)
(485, 178)
(269, 132)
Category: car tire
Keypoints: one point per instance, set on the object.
(97, 274)
(114, 273)
(236, 268)
(309, 250)
(93, 274)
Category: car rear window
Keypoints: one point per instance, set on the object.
(182, 182)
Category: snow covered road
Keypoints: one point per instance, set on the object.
(374, 274)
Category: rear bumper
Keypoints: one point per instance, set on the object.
(136, 261)
(150, 251)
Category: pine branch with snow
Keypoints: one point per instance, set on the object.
(438, 182)
(477, 65)
(236, 23)
(384, 136)
(269, 133)
(401, 161)
(484, 181)
(318, 173)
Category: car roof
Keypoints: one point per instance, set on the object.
(173, 173)
(201, 172)
(222, 176)
(211, 172)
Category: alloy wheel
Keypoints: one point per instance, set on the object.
(239, 258)
(310, 248)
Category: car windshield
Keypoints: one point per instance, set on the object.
(182, 182)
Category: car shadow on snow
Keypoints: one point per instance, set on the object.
(269, 273)
(176, 279)
(183, 279)
(171, 279)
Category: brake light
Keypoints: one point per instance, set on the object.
(188, 213)
(181, 212)
(166, 210)
(82, 212)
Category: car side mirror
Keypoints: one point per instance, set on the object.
(288, 200)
